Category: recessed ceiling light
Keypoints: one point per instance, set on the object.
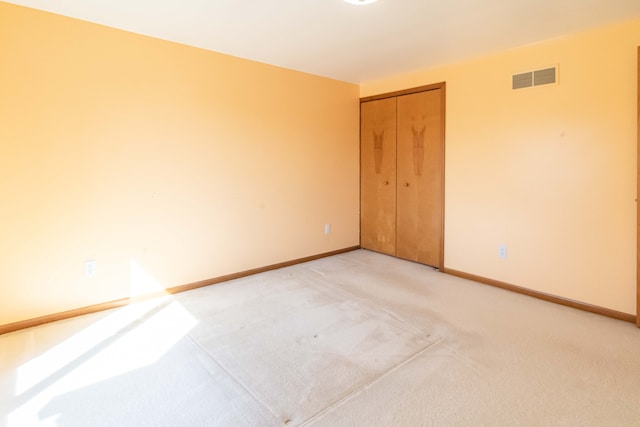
(359, 2)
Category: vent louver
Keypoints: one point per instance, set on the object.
(522, 80)
(533, 78)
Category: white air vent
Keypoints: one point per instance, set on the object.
(534, 78)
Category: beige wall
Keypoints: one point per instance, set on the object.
(550, 172)
(166, 164)
(169, 164)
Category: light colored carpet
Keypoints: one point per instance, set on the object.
(358, 339)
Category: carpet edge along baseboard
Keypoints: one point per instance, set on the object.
(28, 323)
(619, 315)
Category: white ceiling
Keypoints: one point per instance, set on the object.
(351, 43)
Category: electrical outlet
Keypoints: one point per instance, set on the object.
(502, 252)
(90, 268)
(327, 229)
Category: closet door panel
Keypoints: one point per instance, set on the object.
(420, 170)
(378, 175)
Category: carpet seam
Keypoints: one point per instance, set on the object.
(351, 295)
(344, 399)
(233, 377)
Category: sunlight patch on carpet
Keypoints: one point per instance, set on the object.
(129, 339)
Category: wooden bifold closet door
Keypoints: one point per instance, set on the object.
(378, 176)
(402, 169)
